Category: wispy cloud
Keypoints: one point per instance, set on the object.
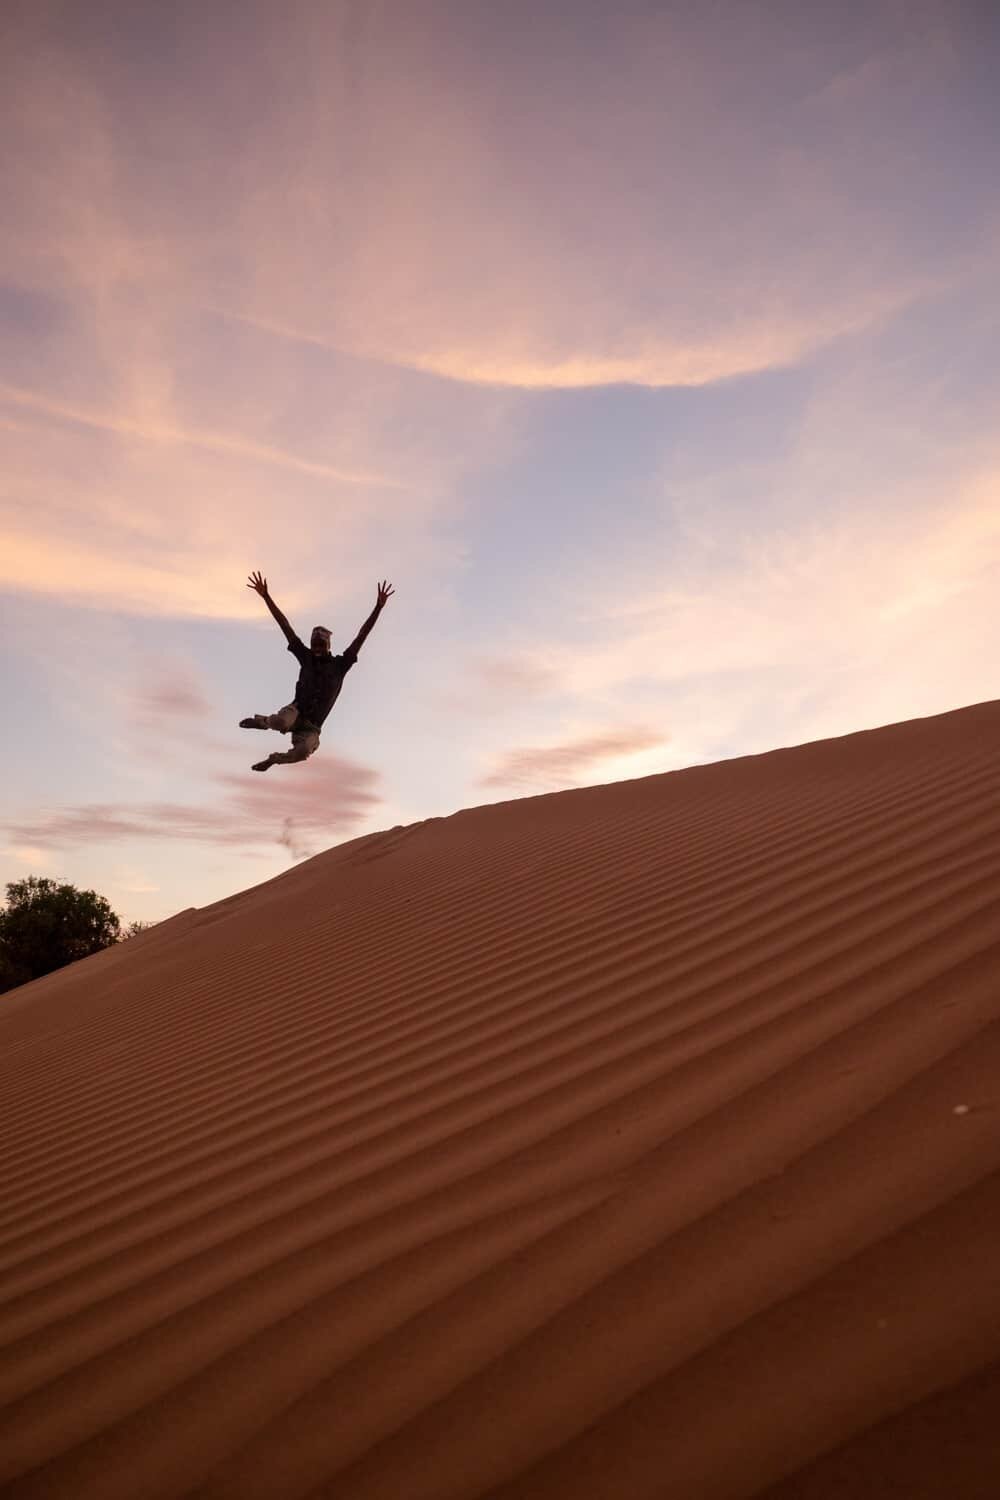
(839, 622)
(328, 798)
(667, 207)
(565, 764)
(211, 441)
(136, 885)
(677, 199)
(169, 692)
(26, 854)
(489, 685)
(298, 844)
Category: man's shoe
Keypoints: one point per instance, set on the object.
(263, 765)
(253, 723)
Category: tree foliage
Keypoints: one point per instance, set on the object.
(46, 926)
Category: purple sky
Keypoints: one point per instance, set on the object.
(648, 349)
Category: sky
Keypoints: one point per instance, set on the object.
(649, 350)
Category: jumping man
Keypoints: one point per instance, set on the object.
(319, 681)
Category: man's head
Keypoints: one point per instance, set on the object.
(319, 641)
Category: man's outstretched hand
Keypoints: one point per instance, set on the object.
(384, 590)
(258, 583)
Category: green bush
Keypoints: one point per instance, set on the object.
(46, 926)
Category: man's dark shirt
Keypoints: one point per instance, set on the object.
(319, 681)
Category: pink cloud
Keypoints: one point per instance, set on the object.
(218, 442)
(535, 257)
(301, 808)
(171, 694)
(549, 765)
(513, 675)
(490, 684)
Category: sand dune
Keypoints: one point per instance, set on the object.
(636, 1141)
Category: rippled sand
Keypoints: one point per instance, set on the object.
(633, 1142)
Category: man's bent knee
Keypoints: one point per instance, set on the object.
(304, 744)
(284, 719)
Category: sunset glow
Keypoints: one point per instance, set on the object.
(648, 349)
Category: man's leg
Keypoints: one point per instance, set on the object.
(305, 742)
(282, 721)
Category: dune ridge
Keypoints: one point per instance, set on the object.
(639, 1140)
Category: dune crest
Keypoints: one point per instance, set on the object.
(636, 1140)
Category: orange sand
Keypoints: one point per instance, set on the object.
(635, 1141)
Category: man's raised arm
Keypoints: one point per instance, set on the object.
(384, 590)
(259, 585)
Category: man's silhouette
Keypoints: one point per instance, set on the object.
(319, 681)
